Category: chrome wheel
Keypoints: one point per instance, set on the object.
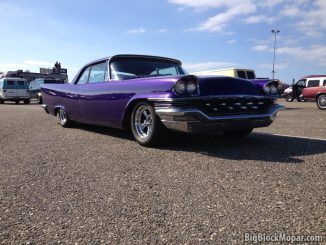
(62, 117)
(143, 122)
(321, 102)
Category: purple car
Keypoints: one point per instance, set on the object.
(149, 94)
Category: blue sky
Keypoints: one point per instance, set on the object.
(203, 34)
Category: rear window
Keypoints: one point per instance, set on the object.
(242, 74)
(250, 75)
(10, 83)
(313, 83)
(21, 83)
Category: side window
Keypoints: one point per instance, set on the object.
(301, 83)
(251, 75)
(98, 73)
(10, 83)
(324, 83)
(313, 83)
(242, 74)
(21, 83)
(84, 77)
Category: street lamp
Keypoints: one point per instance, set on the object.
(275, 33)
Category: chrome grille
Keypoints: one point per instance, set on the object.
(237, 105)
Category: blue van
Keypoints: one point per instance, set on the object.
(14, 89)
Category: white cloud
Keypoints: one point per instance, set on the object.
(257, 19)
(291, 11)
(313, 22)
(232, 41)
(314, 53)
(270, 3)
(219, 21)
(261, 48)
(137, 30)
(37, 63)
(277, 66)
(31, 65)
(193, 67)
(162, 30)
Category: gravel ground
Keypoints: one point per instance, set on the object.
(95, 185)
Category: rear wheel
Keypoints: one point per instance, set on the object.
(17, 101)
(27, 101)
(146, 127)
(238, 132)
(64, 119)
(2, 101)
(321, 101)
(289, 98)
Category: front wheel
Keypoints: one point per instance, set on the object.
(64, 119)
(238, 132)
(321, 101)
(289, 98)
(17, 102)
(146, 127)
(27, 102)
(2, 101)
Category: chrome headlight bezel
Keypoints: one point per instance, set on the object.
(187, 86)
(271, 88)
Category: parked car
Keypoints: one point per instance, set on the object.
(14, 89)
(316, 91)
(35, 87)
(306, 88)
(230, 72)
(150, 94)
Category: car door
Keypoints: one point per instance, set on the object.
(298, 88)
(94, 95)
(311, 89)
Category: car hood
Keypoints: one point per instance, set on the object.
(208, 85)
(215, 85)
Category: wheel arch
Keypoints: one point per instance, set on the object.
(57, 108)
(128, 112)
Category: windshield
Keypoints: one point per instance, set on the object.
(134, 68)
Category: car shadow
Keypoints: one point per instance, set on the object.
(257, 146)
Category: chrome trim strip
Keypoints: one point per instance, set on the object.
(196, 112)
(212, 97)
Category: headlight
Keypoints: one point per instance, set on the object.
(187, 86)
(273, 89)
(180, 87)
(191, 87)
(270, 89)
(267, 89)
(39, 94)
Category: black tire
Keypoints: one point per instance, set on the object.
(321, 101)
(64, 118)
(289, 98)
(238, 133)
(40, 100)
(27, 102)
(17, 102)
(2, 101)
(147, 130)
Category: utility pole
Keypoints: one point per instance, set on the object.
(275, 33)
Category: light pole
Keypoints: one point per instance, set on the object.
(275, 33)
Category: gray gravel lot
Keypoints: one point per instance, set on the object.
(95, 185)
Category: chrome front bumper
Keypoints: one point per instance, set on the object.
(195, 121)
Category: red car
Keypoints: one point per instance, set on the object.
(315, 90)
